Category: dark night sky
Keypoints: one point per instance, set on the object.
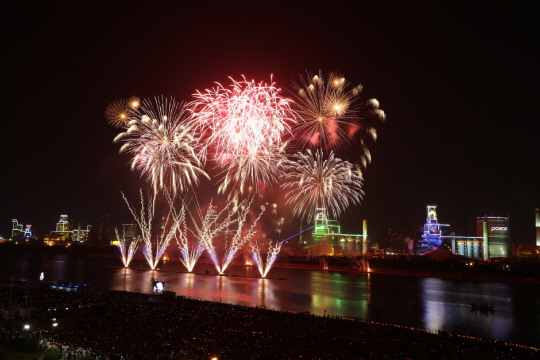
(458, 82)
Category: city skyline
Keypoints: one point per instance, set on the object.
(456, 83)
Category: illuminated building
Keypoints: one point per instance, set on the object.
(330, 241)
(130, 231)
(537, 215)
(64, 232)
(491, 238)
(495, 234)
(17, 228)
(28, 231)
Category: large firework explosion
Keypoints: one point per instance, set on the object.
(161, 145)
(127, 249)
(332, 113)
(241, 128)
(316, 182)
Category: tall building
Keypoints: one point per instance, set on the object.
(17, 229)
(537, 227)
(495, 233)
(130, 231)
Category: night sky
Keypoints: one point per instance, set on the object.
(458, 82)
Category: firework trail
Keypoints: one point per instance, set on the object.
(241, 128)
(190, 250)
(161, 146)
(228, 223)
(331, 113)
(271, 253)
(127, 250)
(315, 182)
(144, 219)
(271, 256)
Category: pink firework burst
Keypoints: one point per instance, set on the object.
(244, 120)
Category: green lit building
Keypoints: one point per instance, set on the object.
(330, 241)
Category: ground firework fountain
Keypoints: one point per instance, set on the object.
(191, 248)
(271, 253)
(228, 226)
(144, 219)
(127, 250)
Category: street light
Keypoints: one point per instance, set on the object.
(27, 327)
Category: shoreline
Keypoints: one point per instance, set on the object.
(461, 276)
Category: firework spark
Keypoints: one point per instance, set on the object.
(252, 169)
(271, 253)
(229, 223)
(144, 219)
(191, 248)
(127, 249)
(120, 112)
(161, 146)
(331, 112)
(314, 183)
(242, 127)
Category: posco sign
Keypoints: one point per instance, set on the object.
(499, 228)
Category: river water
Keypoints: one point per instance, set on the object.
(422, 302)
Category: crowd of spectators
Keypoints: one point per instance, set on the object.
(106, 324)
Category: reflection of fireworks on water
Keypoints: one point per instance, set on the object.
(162, 148)
(242, 128)
(314, 183)
(127, 250)
(230, 224)
(144, 219)
(330, 112)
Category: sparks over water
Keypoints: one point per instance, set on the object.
(144, 219)
(127, 249)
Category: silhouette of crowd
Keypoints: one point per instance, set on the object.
(106, 324)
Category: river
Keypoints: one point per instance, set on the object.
(422, 302)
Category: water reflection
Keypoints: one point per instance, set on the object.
(423, 302)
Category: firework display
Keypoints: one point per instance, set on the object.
(332, 113)
(161, 145)
(228, 227)
(241, 129)
(127, 249)
(119, 112)
(315, 182)
(249, 136)
(191, 248)
(144, 218)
